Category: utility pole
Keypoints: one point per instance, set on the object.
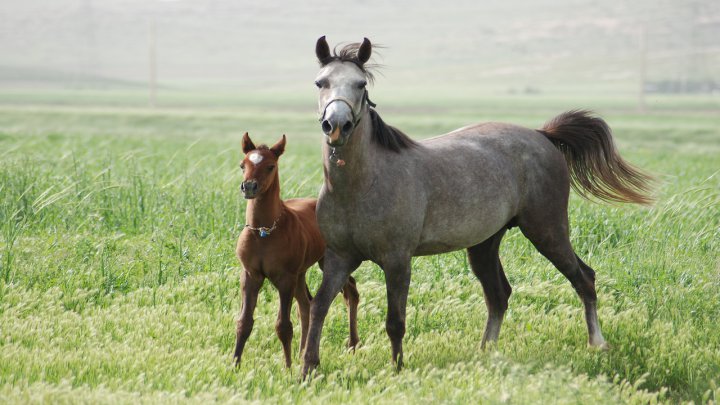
(643, 66)
(152, 63)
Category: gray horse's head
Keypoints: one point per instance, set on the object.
(342, 81)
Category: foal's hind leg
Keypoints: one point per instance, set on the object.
(352, 298)
(303, 297)
(549, 235)
(485, 263)
(283, 325)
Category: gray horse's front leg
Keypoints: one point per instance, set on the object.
(397, 283)
(336, 271)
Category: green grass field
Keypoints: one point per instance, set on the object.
(118, 281)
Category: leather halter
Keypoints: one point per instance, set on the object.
(333, 157)
(355, 116)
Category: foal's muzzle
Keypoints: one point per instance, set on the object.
(249, 189)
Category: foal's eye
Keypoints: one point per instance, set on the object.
(242, 166)
(270, 168)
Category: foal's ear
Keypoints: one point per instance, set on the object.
(322, 50)
(247, 144)
(279, 147)
(365, 51)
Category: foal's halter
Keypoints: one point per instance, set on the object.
(262, 230)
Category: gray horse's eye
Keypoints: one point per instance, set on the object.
(362, 84)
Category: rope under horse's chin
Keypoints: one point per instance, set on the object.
(334, 157)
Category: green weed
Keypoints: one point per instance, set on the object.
(119, 281)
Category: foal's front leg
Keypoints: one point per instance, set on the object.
(250, 288)
(397, 283)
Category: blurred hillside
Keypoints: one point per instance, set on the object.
(511, 47)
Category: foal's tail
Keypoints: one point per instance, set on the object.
(596, 168)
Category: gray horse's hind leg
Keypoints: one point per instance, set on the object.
(485, 263)
(596, 338)
(549, 235)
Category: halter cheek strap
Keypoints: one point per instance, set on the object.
(334, 157)
(355, 116)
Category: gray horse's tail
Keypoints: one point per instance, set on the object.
(596, 168)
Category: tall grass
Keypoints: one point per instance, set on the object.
(119, 282)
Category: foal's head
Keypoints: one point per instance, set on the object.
(259, 166)
(342, 80)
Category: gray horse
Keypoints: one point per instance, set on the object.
(387, 198)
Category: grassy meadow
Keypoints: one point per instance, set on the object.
(118, 281)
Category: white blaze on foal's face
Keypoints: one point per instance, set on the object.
(255, 158)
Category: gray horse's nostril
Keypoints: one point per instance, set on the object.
(326, 127)
(347, 127)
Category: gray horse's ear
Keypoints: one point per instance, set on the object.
(247, 144)
(279, 147)
(322, 50)
(364, 52)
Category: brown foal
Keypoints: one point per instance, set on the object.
(281, 240)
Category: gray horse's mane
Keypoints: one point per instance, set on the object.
(384, 135)
(349, 53)
(388, 136)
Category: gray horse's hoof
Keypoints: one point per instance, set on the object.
(603, 347)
